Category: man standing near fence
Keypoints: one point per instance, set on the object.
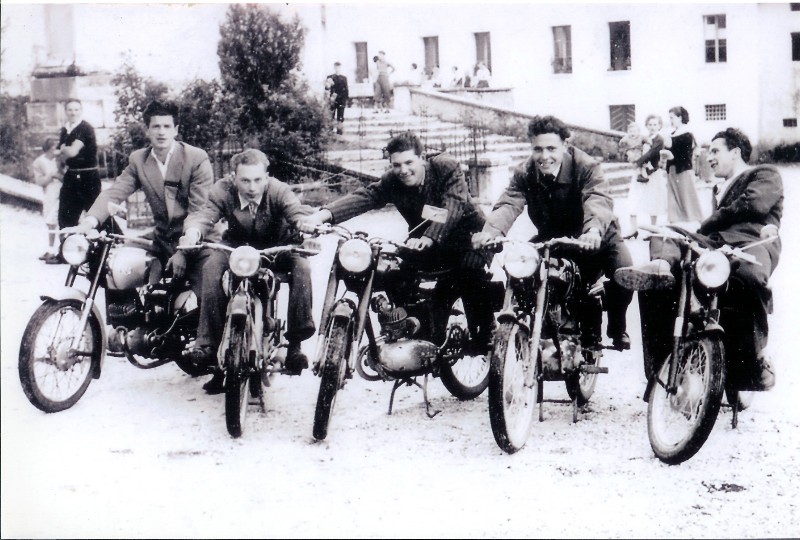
(339, 94)
(81, 185)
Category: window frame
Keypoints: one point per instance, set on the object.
(616, 47)
(715, 41)
(562, 64)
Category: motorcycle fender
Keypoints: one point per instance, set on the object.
(239, 305)
(510, 316)
(69, 293)
(345, 309)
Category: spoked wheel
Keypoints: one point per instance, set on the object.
(513, 387)
(236, 379)
(333, 368)
(468, 376)
(679, 424)
(53, 375)
(580, 385)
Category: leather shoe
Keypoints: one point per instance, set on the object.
(652, 275)
(215, 385)
(296, 361)
(621, 342)
(202, 355)
(766, 379)
(54, 259)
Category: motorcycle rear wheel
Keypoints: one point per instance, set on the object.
(513, 387)
(236, 379)
(52, 379)
(679, 424)
(334, 363)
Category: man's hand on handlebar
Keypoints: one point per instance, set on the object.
(310, 223)
(481, 238)
(591, 239)
(419, 244)
(768, 231)
(191, 237)
(86, 225)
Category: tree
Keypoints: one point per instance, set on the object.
(133, 93)
(201, 121)
(267, 103)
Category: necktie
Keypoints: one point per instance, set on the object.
(252, 206)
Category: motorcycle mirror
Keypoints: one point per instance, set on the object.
(115, 209)
(434, 214)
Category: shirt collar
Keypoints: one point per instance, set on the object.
(555, 174)
(69, 127)
(169, 154)
(244, 203)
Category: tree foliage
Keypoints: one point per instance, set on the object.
(269, 103)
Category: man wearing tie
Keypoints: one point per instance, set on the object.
(566, 195)
(261, 212)
(747, 207)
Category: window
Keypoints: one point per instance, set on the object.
(621, 116)
(790, 122)
(716, 112)
(562, 47)
(620, 41)
(483, 49)
(362, 62)
(714, 34)
(794, 7)
(431, 53)
(795, 46)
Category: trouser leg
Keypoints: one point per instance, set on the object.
(300, 323)
(210, 265)
(618, 298)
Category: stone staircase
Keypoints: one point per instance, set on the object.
(365, 134)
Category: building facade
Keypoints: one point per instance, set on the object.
(596, 65)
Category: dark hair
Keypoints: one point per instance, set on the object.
(682, 113)
(414, 66)
(381, 52)
(160, 108)
(375, 58)
(49, 143)
(403, 142)
(337, 63)
(734, 138)
(73, 100)
(251, 156)
(653, 116)
(547, 124)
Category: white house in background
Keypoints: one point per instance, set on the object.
(596, 65)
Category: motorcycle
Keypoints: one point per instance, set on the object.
(253, 336)
(684, 394)
(403, 349)
(548, 330)
(66, 341)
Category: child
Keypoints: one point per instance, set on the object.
(647, 194)
(46, 173)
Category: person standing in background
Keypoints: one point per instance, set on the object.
(682, 201)
(647, 196)
(81, 186)
(339, 94)
(385, 68)
(47, 174)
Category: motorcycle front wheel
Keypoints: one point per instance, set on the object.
(513, 386)
(236, 379)
(53, 375)
(332, 371)
(679, 424)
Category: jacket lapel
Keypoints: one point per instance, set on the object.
(152, 176)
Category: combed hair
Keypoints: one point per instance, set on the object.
(735, 138)
(49, 143)
(681, 112)
(657, 117)
(403, 142)
(251, 156)
(547, 124)
(160, 108)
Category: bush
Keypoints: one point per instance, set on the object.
(781, 153)
(14, 151)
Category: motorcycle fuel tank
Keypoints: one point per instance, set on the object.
(407, 357)
(127, 268)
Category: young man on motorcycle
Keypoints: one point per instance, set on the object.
(747, 206)
(438, 181)
(259, 210)
(175, 178)
(565, 192)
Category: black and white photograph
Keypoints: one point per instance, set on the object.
(399, 270)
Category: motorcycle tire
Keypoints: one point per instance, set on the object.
(236, 379)
(513, 386)
(334, 364)
(580, 386)
(679, 424)
(467, 378)
(53, 382)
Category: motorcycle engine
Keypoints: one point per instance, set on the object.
(555, 362)
(407, 357)
(127, 268)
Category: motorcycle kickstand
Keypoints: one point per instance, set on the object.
(575, 410)
(541, 400)
(735, 419)
(424, 388)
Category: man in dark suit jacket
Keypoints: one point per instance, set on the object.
(566, 195)
(259, 210)
(412, 183)
(748, 205)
